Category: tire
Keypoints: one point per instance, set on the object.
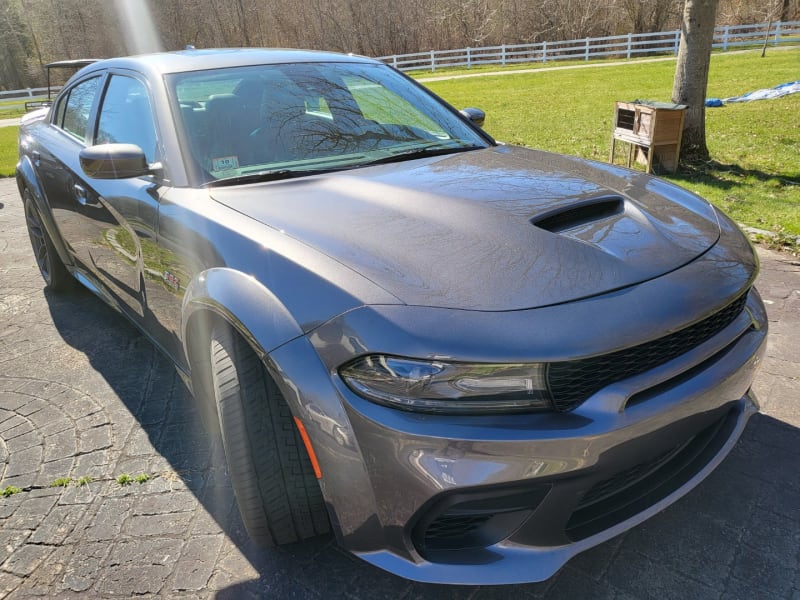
(55, 274)
(278, 495)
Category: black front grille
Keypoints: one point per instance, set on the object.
(624, 480)
(474, 519)
(632, 490)
(449, 526)
(572, 382)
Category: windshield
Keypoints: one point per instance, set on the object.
(241, 123)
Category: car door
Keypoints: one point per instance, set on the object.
(121, 215)
(56, 160)
(107, 224)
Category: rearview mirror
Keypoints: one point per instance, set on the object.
(114, 161)
(476, 115)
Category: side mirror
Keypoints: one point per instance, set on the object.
(476, 115)
(114, 161)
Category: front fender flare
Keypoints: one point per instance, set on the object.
(244, 303)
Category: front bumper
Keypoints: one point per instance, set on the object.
(503, 540)
(510, 498)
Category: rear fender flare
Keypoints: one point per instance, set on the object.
(27, 179)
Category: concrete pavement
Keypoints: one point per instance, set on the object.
(84, 399)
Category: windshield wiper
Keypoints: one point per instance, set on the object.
(270, 175)
(278, 174)
(423, 152)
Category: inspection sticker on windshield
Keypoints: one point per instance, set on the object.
(225, 163)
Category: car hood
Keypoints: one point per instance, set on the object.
(501, 228)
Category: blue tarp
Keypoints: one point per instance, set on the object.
(784, 89)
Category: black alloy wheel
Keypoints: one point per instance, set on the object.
(54, 273)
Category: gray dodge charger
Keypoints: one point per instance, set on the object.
(469, 361)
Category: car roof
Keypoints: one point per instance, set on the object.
(219, 58)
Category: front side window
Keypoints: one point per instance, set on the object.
(78, 108)
(297, 118)
(126, 116)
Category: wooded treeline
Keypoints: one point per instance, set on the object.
(35, 32)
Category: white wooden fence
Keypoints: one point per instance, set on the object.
(615, 46)
(27, 93)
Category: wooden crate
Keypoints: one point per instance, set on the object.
(653, 133)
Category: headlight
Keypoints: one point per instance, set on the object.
(456, 388)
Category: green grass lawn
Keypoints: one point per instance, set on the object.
(8, 150)
(12, 108)
(755, 147)
(10, 113)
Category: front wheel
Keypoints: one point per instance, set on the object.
(55, 274)
(278, 495)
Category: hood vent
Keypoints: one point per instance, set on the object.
(580, 214)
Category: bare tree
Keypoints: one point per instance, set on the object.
(790, 10)
(465, 22)
(570, 19)
(14, 49)
(740, 12)
(648, 16)
(691, 74)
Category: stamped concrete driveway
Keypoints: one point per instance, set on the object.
(84, 398)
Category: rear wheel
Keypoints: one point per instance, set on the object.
(54, 273)
(278, 495)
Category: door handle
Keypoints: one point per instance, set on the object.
(80, 193)
(82, 197)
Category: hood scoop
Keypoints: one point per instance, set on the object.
(579, 214)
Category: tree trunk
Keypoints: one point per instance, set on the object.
(785, 9)
(691, 74)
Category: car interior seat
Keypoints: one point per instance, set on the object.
(229, 128)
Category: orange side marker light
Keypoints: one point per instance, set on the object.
(303, 434)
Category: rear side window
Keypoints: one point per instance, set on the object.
(78, 108)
